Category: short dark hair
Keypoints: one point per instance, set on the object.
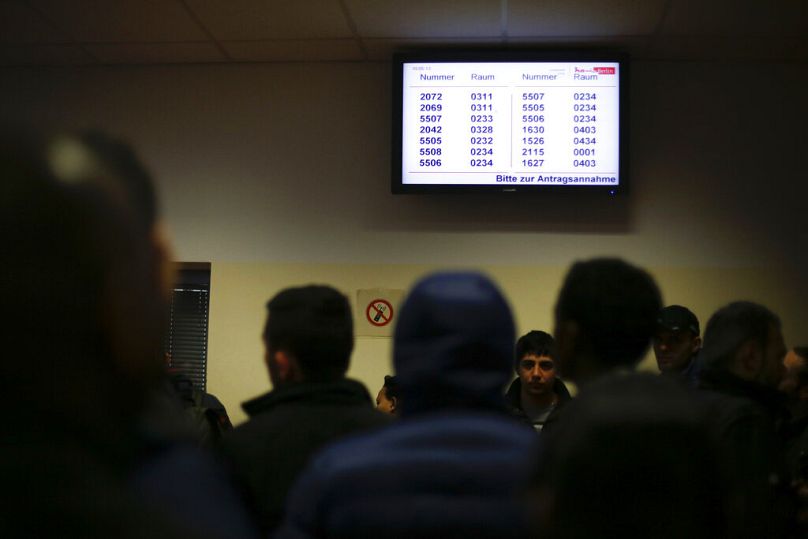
(391, 390)
(730, 327)
(117, 157)
(534, 342)
(314, 324)
(615, 306)
(67, 232)
(68, 235)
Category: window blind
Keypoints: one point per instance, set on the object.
(187, 338)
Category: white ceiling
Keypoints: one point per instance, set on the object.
(117, 32)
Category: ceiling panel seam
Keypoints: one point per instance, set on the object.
(654, 36)
(503, 19)
(354, 30)
(67, 34)
(198, 21)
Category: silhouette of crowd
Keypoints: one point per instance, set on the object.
(479, 434)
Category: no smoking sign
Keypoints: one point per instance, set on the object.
(375, 311)
(379, 312)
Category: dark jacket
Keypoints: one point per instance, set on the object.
(797, 442)
(630, 458)
(104, 473)
(66, 486)
(514, 402)
(692, 372)
(286, 427)
(453, 463)
(745, 419)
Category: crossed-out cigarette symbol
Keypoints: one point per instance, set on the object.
(379, 312)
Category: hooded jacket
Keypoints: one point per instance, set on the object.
(450, 467)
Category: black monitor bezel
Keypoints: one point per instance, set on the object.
(506, 55)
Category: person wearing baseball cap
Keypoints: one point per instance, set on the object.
(677, 342)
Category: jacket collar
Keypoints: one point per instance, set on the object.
(513, 396)
(772, 400)
(338, 392)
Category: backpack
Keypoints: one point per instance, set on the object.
(204, 420)
(207, 416)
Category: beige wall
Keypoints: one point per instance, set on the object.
(236, 370)
(278, 174)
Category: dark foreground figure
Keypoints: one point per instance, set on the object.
(84, 290)
(452, 465)
(309, 340)
(742, 367)
(631, 458)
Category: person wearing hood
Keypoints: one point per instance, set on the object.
(453, 464)
(537, 393)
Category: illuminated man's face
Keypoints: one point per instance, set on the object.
(537, 374)
(793, 363)
(383, 404)
(773, 369)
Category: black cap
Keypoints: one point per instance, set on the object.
(678, 318)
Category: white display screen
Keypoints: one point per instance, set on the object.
(510, 123)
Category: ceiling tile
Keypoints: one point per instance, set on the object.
(633, 45)
(167, 31)
(122, 21)
(710, 48)
(156, 53)
(426, 18)
(737, 17)
(239, 20)
(43, 55)
(20, 23)
(383, 49)
(294, 50)
(584, 17)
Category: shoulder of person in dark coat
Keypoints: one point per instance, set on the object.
(286, 427)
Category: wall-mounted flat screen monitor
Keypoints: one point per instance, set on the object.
(509, 121)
